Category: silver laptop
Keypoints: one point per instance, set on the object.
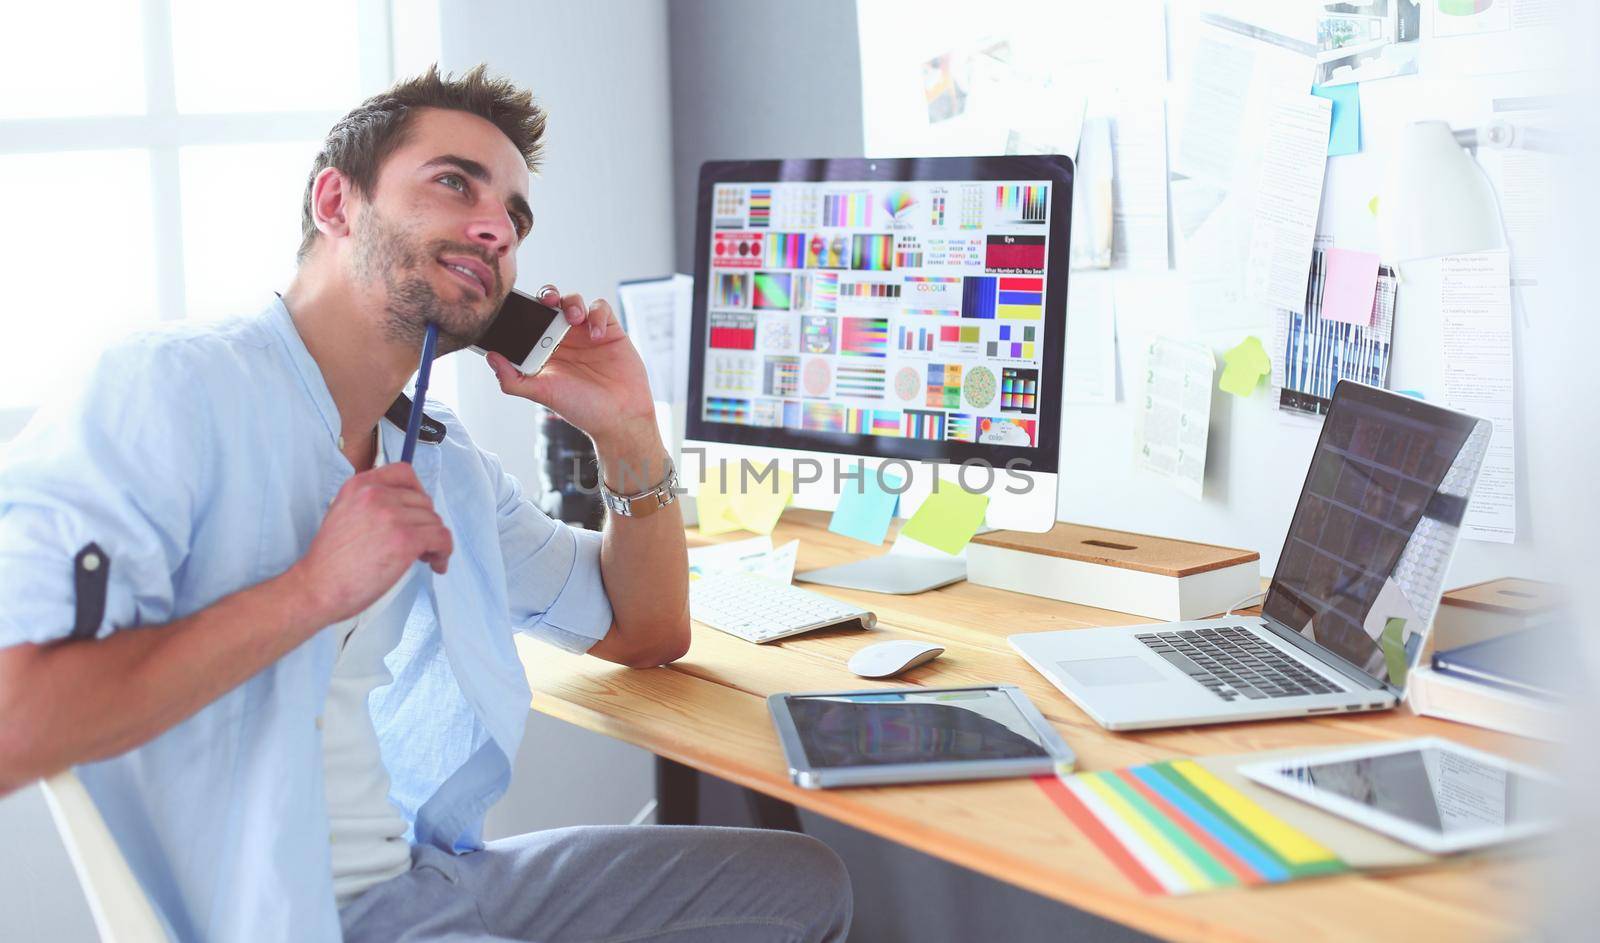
(1350, 603)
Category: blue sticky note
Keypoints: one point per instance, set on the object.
(1345, 135)
(864, 512)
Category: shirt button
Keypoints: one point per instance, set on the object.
(341, 441)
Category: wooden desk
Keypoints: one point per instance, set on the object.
(707, 711)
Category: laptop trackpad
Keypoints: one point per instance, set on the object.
(1094, 672)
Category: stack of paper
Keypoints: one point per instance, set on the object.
(1176, 828)
(755, 555)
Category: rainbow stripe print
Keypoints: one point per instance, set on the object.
(1025, 203)
(822, 417)
(786, 250)
(727, 409)
(924, 425)
(760, 206)
(872, 253)
(864, 337)
(847, 209)
(1177, 828)
(825, 296)
(884, 422)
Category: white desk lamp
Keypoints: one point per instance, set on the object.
(1436, 200)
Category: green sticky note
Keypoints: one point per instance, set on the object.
(716, 511)
(761, 503)
(948, 518)
(864, 511)
(1394, 651)
(1344, 133)
(1246, 364)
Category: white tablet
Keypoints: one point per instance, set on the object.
(1430, 793)
(908, 735)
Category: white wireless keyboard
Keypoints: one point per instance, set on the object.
(761, 610)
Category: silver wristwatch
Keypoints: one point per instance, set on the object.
(646, 502)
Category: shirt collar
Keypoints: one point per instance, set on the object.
(432, 431)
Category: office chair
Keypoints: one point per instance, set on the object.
(122, 912)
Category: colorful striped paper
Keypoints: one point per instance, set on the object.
(1176, 828)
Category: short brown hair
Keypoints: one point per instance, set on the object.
(358, 143)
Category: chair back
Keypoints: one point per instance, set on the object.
(122, 913)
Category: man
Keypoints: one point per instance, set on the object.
(281, 659)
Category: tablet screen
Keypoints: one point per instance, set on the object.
(1439, 790)
(912, 727)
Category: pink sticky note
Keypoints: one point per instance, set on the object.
(1349, 286)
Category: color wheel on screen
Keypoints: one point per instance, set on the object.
(1464, 7)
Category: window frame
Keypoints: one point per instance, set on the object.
(162, 131)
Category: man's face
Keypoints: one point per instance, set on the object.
(438, 234)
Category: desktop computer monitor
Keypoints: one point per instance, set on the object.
(908, 313)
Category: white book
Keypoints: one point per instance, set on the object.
(1448, 697)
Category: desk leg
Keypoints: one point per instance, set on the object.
(772, 813)
(677, 793)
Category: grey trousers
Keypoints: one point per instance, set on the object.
(610, 884)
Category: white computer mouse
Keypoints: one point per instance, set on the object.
(886, 659)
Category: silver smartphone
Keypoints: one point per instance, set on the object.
(913, 735)
(525, 332)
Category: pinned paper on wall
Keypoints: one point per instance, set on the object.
(948, 517)
(864, 513)
(1175, 413)
(1287, 200)
(1344, 137)
(1245, 365)
(1312, 352)
(1350, 285)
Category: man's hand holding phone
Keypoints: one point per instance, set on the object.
(380, 523)
(595, 379)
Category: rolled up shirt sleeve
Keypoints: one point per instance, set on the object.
(553, 580)
(116, 466)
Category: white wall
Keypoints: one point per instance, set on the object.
(39, 895)
(1255, 463)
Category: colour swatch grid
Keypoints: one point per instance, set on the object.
(1177, 828)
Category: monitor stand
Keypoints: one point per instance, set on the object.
(899, 574)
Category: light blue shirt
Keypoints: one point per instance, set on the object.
(201, 460)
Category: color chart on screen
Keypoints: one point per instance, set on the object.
(904, 309)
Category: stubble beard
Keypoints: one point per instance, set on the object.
(387, 253)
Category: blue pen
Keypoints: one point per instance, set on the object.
(430, 341)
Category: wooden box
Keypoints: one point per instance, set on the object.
(1149, 576)
(1493, 608)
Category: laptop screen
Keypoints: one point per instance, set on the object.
(1378, 519)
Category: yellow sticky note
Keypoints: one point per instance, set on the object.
(948, 518)
(1246, 365)
(762, 502)
(716, 511)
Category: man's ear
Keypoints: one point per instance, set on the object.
(330, 203)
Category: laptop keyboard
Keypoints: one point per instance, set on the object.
(1232, 662)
